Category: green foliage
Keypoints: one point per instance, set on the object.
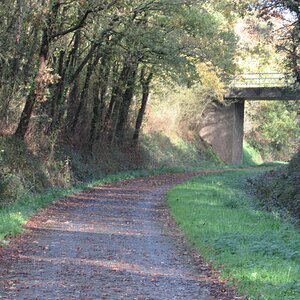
(280, 125)
(274, 130)
(257, 251)
(288, 32)
(257, 45)
(209, 26)
(53, 63)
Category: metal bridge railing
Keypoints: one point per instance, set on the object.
(262, 80)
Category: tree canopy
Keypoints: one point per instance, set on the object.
(77, 67)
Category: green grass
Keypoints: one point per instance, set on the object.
(254, 249)
(15, 215)
(250, 156)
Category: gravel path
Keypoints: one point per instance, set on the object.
(111, 242)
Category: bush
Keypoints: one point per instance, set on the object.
(21, 171)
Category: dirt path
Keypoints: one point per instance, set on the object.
(111, 242)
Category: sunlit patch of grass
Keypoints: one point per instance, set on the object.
(250, 155)
(14, 216)
(169, 149)
(255, 249)
(10, 222)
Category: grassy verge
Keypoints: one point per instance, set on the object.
(13, 216)
(254, 249)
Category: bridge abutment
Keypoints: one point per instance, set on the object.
(223, 129)
(223, 126)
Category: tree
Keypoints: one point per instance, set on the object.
(51, 32)
(289, 42)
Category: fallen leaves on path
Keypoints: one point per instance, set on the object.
(112, 242)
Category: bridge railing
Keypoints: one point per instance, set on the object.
(262, 80)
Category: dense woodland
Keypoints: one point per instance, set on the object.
(78, 75)
(79, 65)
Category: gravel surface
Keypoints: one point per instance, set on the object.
(111, 242)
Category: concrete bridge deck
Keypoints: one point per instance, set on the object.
(262, 93)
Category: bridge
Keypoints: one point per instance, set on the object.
(223, 125)
(262, 86)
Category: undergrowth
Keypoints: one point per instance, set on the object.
(27, 169)
(254, 249)
(279, 191)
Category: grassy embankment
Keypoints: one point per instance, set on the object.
(253, 249)
(27, 182)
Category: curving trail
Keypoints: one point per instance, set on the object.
(111, 242)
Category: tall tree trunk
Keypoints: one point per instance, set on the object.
(294, 58)
(99, 91)
(145, 82)
(59, 105)
(125, 105)
(84, 93)
(37, 90)
(116, 96)
(39, 86)
(59, 87)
